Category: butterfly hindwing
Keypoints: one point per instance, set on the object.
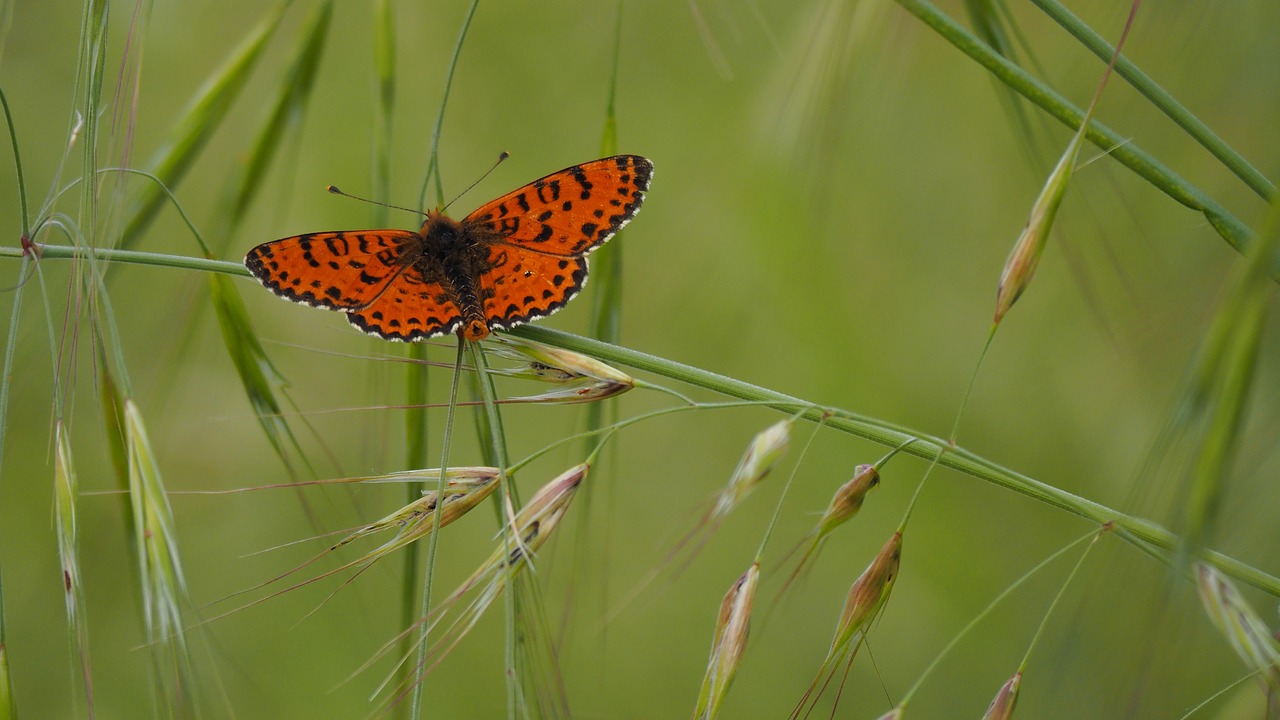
(570, 212)
(334, 270)
(409, 309)
(520, 285)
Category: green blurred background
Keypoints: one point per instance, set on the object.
(836, 190)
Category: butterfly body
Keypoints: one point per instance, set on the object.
(517, 258)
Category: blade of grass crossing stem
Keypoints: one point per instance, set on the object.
(203, 115)
(66, 494)
(286, 114)
(164, 587)
(1118, 147)
(990, 26)
(1222, 382)
(1161, 98)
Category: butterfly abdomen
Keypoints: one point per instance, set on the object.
(458, 256)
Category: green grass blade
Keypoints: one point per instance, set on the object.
(286, 114)
(197, 124)
(261, 382)
(1221, 384)
(1161, 99)
(1230, 228)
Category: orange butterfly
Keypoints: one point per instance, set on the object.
(517, 258)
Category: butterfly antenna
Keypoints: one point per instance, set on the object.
(501, 156)
(334, 189)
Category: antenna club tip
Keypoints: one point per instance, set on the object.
(333, 189)
(503, 155)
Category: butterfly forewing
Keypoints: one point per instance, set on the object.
(335, 270)
(570, 212)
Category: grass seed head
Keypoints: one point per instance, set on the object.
(848, 498)
(1239, 624)
(584, 379)
(870, 590)
(730, 641)
(1001, 707)
(1021, 264)
(766, 448)
(465, 488)
(543, 512)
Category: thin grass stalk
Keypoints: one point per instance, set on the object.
(991, 606)
(491, 430)
(1129, 154)
(437, 518)
(433, 158)
(384, 64)
(1221, 387)
(8, 704)
(1161, 98)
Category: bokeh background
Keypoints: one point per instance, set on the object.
(836, 190)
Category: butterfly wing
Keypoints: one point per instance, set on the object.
(539, 235)
(334, 270)
(522, 285)
(367, 274)
(410, 309)
(570, 212)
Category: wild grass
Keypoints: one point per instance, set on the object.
(145, 386)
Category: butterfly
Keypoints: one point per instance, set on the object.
(515, 259)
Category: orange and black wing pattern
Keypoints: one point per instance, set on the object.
(522, 285)
(334, 270)
(539, 235)
(410, 309)
(570, 212)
